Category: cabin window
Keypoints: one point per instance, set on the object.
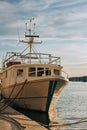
(56, 72)
(20, 72)
(48, 71)
(40, 71)
(32, 71)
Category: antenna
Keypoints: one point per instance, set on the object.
(25, 28)
(30, 33)
(18, 37)
(30, 25)
(34, 29)
(28, 28)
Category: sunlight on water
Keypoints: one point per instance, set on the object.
(72, 106)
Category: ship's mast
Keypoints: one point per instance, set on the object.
(30, 34)
(31, 39)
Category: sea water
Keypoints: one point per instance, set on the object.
(70, 111)
(72, 106)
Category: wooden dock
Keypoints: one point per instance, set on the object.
(11, 119)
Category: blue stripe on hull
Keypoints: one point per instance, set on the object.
(52, 86)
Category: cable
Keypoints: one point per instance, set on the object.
(11, 101)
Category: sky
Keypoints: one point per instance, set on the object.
(61, 24)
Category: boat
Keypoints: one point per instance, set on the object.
(30, 79)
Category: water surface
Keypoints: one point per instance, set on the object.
(72, 106)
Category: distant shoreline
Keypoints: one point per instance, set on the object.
(81, 79)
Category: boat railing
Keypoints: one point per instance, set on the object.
(64, 74)
(32, 58)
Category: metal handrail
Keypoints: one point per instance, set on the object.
(66, 74)
(41, 57)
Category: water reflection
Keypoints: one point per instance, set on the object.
(40, 117)
(49, 120)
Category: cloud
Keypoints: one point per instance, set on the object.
(60, 23)
(49, 18)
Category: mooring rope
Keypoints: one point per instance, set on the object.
(55, 124)
(9, 102)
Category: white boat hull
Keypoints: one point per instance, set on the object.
(34, 95)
